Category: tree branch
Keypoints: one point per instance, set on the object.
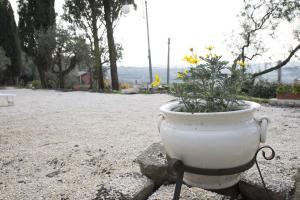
(72, 65)
(279, 65)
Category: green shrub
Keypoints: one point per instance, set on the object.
(282, 89)
(296, 89)
(263, 89)
(36, 84)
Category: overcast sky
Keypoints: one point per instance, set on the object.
(189, 23)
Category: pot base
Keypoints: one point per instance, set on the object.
(211, 182)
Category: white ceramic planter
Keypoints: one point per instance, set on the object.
(212, 140)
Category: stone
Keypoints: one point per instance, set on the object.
(126, 186)
(134, 90)
(285, 102)
(296, 194)
(153, 164)
(254, 192)
(52, 174)
(278, 174)
(193, 193)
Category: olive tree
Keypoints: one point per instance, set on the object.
(263, 17)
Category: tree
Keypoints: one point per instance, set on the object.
(69, 52)
(36, 30)
(90, 17)
(112, 11)
(87, 15)
(261, 17)
(9, 41)
(108, 7)
(4, 63)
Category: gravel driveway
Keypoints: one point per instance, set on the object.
(61, 145)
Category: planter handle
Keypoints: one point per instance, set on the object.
(162, 117)
(263, 123)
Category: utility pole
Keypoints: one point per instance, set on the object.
(168, 64)
(279, 73)
(149, 51)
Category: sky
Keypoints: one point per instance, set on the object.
(189, 23)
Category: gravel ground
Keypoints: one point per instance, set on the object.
(63, 145)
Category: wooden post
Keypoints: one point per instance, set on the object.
(168, 64)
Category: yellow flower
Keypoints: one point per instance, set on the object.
(192, 59)
(241, 63)
(156, 81)
(186, 58)
(183, 74)
(180, 75)
(210, 47)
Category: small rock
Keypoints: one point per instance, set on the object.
(193, 193)
(153, 164)
(76, 145)
(277, 157)
(52, 174)
(254, 192)
(296, 194)
(126, 186)
(21, 181)
(133, 90)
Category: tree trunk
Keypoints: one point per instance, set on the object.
(111, 45)
(61, 78)
(91, 78)
(42, 77)
(97, 54)
(60, 71)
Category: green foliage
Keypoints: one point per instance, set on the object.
(36, 28)
(283, 89)
(36, 84)
(263, 89)
(4, 60)
(70, 51)
(89, 16)
(296, 89)
(9, 40)
(206, 88)
(255, 99)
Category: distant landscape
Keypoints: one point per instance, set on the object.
(141, 74)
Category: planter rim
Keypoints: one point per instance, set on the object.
(166, 108)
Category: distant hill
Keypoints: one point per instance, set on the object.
(141, 74)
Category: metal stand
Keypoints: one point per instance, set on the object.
(177, 167)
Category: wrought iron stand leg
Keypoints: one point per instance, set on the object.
(257, 166)
(261, 177)
(176, 167)
(178, 185)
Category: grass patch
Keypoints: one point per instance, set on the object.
(255, 99)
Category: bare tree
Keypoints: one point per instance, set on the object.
(264, 16)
